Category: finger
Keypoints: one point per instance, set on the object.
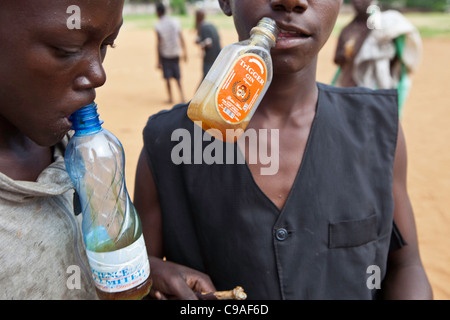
(182, 291)
(160, 296)
(156, 294)
(206, 286)
(201, 284)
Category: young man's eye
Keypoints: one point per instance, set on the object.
(66, 52)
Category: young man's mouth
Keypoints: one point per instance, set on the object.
(286, 34)
(291, 38)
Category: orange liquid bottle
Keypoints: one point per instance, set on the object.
(235, 85)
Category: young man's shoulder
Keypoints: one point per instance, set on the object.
(168, 120)
(360, 102)
(348, 91)
(165, 22)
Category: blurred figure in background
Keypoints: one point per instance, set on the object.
(378, 50)
(208, 39)
(170, 46)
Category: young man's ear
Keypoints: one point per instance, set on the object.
(225, 6)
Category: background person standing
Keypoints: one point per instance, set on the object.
(378, 50)
(208, 39)
(170, 46)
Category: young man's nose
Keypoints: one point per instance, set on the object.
(93, 76)
(298, 6)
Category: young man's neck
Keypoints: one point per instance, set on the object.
(20, 157)
(361, 17)
(291, 93)
(10, 136)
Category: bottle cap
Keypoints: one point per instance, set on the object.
(86, 120)
(269, 27)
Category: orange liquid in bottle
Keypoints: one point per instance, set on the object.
(136, 293)
(235, 85)
(205, 111)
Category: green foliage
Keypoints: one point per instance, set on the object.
(178, 6)
(142, 1)
(428, 5)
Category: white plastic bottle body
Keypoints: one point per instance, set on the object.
(96, 165)
(112, 232)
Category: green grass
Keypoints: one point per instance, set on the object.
(147, 21)
(429, 24)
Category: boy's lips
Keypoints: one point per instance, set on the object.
(291, 36)
(79, 105)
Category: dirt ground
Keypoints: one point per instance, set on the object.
(135, 90)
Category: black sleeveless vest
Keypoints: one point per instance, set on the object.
(332, 236)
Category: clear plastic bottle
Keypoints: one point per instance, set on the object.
(236, 83)
(111, 227)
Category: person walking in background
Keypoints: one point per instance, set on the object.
(170, 46)
(378, 50)
(208, 39)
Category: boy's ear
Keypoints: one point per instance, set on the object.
(225, 6)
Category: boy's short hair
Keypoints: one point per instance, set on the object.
(160, 8)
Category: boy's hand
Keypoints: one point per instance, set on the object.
(174, 281)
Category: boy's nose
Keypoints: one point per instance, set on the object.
(93, 76)
(298, 6)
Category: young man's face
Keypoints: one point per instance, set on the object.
(306, 26)
(47, 70)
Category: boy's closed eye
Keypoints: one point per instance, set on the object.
(66, 51)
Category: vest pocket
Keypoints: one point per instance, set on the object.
(352, 233)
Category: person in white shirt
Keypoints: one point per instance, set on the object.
(171, 47)
(378, 50)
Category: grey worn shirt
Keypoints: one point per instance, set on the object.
(41, 249)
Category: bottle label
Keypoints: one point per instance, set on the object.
(241, 88)
(120, 270)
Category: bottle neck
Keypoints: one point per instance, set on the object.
(262, 40)
(86, 121)
(265, 33)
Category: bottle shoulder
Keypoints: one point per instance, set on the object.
(95, 140)
(239, 49)
(246, 45)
